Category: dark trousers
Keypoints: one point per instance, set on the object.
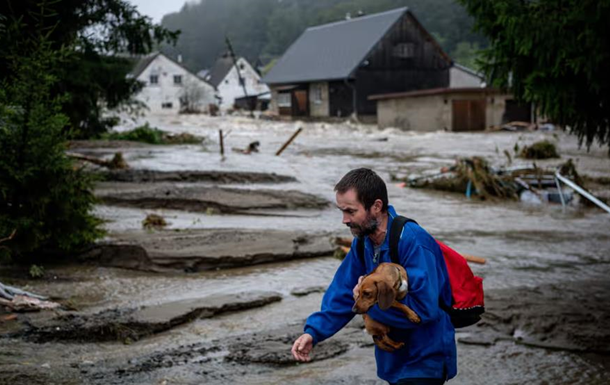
(420, 381)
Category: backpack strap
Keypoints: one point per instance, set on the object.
(397, 225)
(360, 249)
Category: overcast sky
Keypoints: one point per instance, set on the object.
(158, 8)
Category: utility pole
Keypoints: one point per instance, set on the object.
(242, 81)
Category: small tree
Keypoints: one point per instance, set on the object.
(42, 196)
(553, 53)
(191, 97)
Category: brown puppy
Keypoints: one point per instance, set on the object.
(386, 285)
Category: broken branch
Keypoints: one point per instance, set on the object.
(289, 141)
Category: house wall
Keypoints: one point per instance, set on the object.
(385, 70)
(166, 91)
(462, 79)
(230, 89)
(319, 107)
(434, 112)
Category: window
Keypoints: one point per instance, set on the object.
(404, 50)
(154, 79)
(167, 105)
(284, 99)
(241, 66)
(317, 94)
(177, 79)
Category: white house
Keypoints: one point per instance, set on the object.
(464, 77)
(224, 76)
(170, 88)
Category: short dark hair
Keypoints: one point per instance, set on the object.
(368, 186)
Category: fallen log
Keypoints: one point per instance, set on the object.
(9, 292)
(117, 162)
(23, 303)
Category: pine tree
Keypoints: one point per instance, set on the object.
(43, 198)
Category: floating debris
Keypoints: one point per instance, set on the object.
(154, 221)
(540, 150)
(474, 177)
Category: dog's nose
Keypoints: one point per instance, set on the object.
(355, 309)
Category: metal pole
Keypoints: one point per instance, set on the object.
(582, 192)
(222, 146)
(242, 81)
(563, 201)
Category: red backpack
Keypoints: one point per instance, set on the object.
(466, 288)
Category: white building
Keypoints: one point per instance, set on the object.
(464, 77)
(224, 76)
(170, 88)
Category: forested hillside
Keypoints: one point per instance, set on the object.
(265, 28)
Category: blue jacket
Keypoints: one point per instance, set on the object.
(429, 350)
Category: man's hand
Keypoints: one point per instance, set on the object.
(302, 347)
(357, 288)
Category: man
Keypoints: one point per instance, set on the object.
(429, 354)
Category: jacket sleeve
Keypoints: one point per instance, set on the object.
(338, 300)
(423, 295)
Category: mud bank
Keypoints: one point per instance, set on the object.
(571, 316)
(207, 199)
(237, 359)
(200, 250)
(129, 325)
(567, 319)
(224, 177)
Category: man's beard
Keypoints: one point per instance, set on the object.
(367, 228)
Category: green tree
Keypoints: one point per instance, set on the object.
(101, 35)
(466, 54)
(553, 53)
(42, 197)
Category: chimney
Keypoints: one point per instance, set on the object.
(179, 58)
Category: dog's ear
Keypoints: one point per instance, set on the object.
(385, 295)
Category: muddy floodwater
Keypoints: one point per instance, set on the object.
(219, 294)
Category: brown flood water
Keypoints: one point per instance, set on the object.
(527, 247)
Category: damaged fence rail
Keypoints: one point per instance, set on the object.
(581, 191)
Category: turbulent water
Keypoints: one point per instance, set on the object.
(525, 245)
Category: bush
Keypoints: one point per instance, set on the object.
(144, 133)
(151, 135)
(42, 196)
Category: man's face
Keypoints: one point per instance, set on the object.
(360, 221)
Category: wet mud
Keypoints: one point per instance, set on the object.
(220, 200)
(570, 316)
(222, 177)
(200, 250)
(546, 296)
(128, 325)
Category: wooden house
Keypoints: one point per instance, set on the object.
(332, 69)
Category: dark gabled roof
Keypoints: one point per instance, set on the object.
(143, 63)
(332, 51)
(221, 68)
